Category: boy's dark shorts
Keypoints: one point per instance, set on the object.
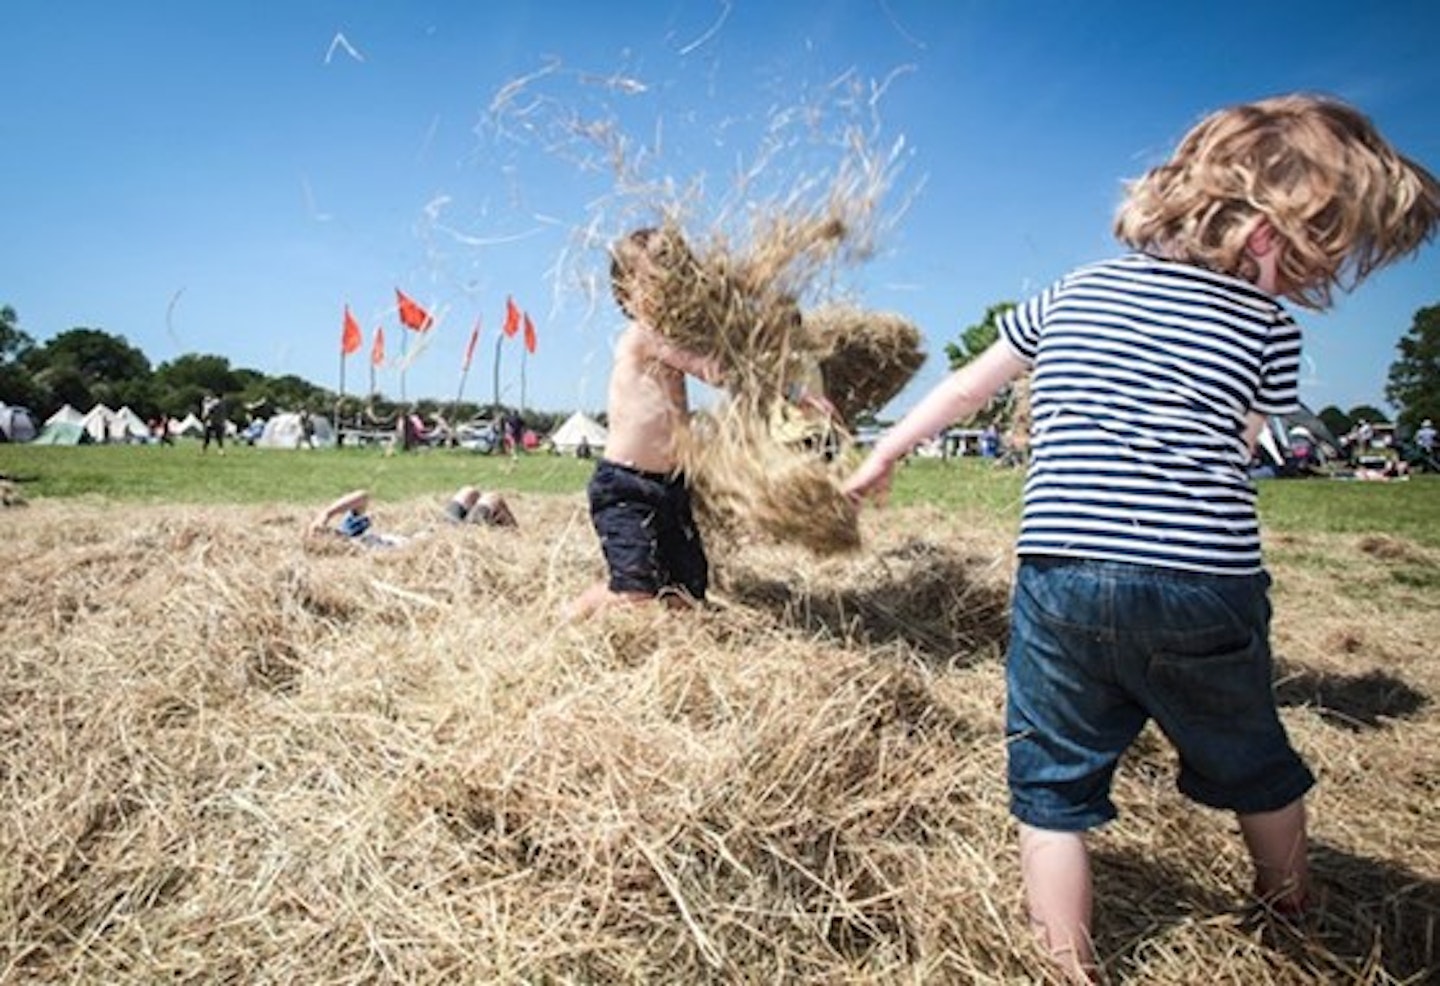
(1098, 649)
(647, 531)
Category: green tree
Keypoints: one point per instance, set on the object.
(81, 366)
(1414, 382)
(17, 385)
(1336, 420)
(1370, 413)
(14, 343)
(977, 338)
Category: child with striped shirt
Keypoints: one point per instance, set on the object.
(1140, 592)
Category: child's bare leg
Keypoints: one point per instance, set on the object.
(599, 596)
(1280, 851)
(1056, 870)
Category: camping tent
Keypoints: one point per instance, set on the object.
(566, 438)
(1295, 444)
(190, 426)
(66, 415)
(16, 425)
(63, 433)
(97, 422)
(127, 426)
(286, 430)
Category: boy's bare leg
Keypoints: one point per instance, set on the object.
(1058, 893)
(1280, 851)
(599, 596)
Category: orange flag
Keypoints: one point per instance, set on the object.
(470, 348)
(412, 316)
(512, 317)
(350, 337)
(529, 334)
(377, 351)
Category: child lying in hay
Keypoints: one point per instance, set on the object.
(468, 506)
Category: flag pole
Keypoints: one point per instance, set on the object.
(499, 338)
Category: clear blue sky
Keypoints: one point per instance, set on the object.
(223, 177)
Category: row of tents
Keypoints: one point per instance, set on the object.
(101, 425)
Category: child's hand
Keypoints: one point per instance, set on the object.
(871, 480)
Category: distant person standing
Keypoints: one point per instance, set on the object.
(514, 432)
(1425, 437)
(212, 415)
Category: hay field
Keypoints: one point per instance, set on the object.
(231, 755)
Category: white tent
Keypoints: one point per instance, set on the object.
(286, 430)
(67, 415)
(97, 422)
(189, 425)
(127, 426)
(16, 424)
(566, 439)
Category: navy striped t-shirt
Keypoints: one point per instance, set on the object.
(1144, 371)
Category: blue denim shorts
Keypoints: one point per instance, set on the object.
(1097, 649)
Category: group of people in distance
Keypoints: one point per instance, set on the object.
(1140, 592)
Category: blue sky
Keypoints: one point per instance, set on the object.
(224, 177)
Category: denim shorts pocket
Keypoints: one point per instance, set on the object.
(1229, 684)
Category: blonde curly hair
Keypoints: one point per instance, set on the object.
(1342, 200)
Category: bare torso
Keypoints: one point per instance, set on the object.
(647, 403)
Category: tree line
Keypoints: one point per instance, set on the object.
(84, 366)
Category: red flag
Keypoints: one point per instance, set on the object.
(512, 317)
(377, 351)
(350, 338)
(529, 334)
(470, 348)
(412, 316)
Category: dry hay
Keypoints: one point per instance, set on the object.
(10, 495)
(737, 300)
(231, 754)
(866, 358)
(746, 483)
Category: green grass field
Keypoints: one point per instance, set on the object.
(181, 474)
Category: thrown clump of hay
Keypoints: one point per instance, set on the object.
(744, 481)
(865, 357)
(741, 310)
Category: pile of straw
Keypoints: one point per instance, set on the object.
(231, 754)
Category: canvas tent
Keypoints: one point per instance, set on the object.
(66, 415)
(16, 425)
(190, 426)
(127, 426)
(286, 430)
(63, 433)
(566, 439)
(97, 422)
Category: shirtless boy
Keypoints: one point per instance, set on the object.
(639, 500)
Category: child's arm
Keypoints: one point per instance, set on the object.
(958, 396)
(355, 500)
(1253, 423)
(662, 350)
